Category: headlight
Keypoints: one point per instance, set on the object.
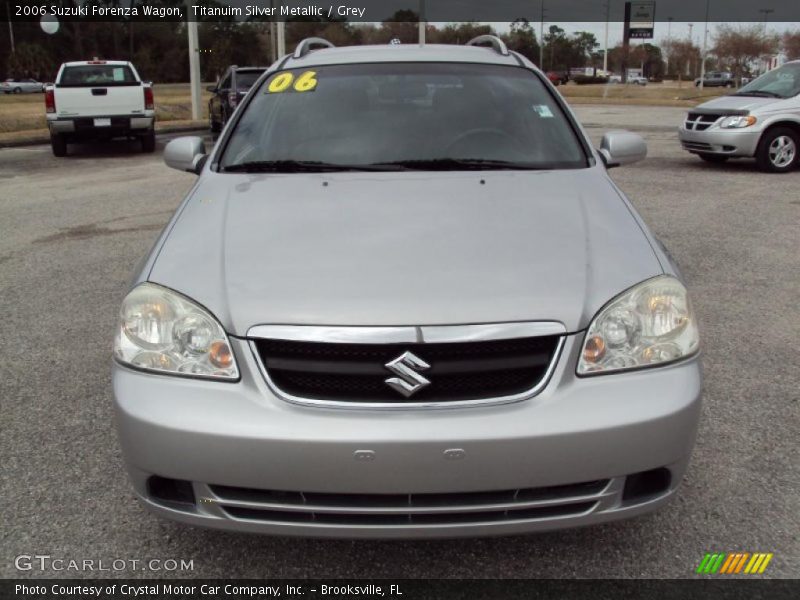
(737, 122)
(160, 330)
(649, 325)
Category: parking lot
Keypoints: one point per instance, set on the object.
(74, 228)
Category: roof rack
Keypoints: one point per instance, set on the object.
(304, 47)
(497, 44)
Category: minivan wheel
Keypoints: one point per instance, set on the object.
(713, 158)
(777, 150)
(59, 144)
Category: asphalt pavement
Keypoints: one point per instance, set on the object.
(72, 230)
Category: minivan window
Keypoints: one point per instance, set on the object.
(90, 75)
(397, 116)
(783, 82)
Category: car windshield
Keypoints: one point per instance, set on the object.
(398, 116)
(89, 75)
(783, 82)
(245, 79)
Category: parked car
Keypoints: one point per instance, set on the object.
(716, 79)
(405, 299)
(228, 92)
(761, 121)
(557, 77)
(99, 99)
(614, 78)
(21, 86)
(637, 80)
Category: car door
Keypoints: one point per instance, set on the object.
(219, 97)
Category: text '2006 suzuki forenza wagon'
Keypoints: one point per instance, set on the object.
(404, 299)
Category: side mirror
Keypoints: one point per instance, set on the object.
(186, 154)
(622, 148)
(211, 88)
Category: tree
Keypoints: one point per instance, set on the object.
(791, 44)
(522, 39)
(684, 59)
(739, 47)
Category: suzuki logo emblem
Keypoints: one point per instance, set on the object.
(409, 381)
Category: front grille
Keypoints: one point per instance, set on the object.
(701, 121)
(409, 509)
(358, 373)
(700, 146)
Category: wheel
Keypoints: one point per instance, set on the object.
(729, 85)
(17, 90)
(777, 150)
(59, 144)
(149, 141)
(713, 158)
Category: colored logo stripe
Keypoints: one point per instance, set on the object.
(734, 563)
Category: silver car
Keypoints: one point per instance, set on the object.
(405, 299)
(21, 86)
(761, 121)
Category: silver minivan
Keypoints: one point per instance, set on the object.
(404, 298)
(761, 121)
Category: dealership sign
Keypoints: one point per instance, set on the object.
(641, 17)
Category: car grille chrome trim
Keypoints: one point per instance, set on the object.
(696, 121)
(357, 383)
(410, 510)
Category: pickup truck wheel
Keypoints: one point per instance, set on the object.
(59, 144)
(778, 149)
(149, 141)
(713, 158)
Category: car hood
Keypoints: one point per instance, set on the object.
(737, 103)
(411, 248)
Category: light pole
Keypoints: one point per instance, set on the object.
(10, 29)
(705, 42)
(421, 22)
(194, 67)
(691, 47)
(605, 43)
(669, 39)
(766, 12)
(541, 38)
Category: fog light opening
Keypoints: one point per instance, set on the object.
(173, 493)
(646, 485)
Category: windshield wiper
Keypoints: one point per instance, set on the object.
(458, 164)
(297, 166)
(758, 93)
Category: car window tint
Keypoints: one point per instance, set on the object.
(378, 113)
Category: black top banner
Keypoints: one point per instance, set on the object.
(398, 10)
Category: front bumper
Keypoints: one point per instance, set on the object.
(240, 435)
(727, 142)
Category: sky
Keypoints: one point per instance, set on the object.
(662, 29)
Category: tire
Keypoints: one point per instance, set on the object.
(713, 158)
(729, 85)
(59, 144)
(149, 141)
(17, 90)
(778, 150)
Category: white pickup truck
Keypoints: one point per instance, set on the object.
(99, 99)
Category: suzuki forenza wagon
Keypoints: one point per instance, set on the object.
(405, 299)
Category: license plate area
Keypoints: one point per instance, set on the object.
(102, 122)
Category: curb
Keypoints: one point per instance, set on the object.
(38, 139)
